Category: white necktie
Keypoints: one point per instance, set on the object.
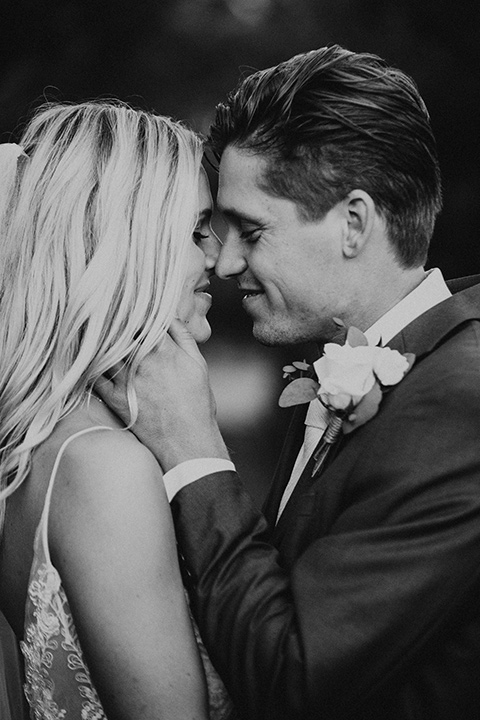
(316, 421)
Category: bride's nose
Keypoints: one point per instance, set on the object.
(211, 247)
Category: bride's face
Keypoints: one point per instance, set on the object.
(195, 302)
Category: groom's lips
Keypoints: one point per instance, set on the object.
(250, 292)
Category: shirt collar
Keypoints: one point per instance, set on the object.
(431, 291)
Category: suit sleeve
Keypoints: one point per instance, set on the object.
(376, 590)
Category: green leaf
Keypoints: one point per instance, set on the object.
(338, 322)
(301, 365)
(299, 391)
(355, 337)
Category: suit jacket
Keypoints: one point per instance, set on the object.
(364, 601)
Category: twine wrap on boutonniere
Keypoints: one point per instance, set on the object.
(349, 380)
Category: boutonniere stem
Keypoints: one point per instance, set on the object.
(329, 438)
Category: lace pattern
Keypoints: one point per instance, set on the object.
(57, 681)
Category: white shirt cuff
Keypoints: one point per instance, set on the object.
(191, 470)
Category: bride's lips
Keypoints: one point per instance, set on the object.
(203, 287)
(201, 291)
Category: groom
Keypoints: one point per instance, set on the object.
(359, 594)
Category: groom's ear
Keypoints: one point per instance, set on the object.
(361, 213)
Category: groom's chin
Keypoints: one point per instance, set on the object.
(270, 336)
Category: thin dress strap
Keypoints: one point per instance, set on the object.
(43, 525)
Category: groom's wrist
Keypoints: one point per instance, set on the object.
(189, 471)
(186, 446)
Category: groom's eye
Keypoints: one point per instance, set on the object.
(198, 237)
(250, 236)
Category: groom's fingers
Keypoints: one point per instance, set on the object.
(117, 373)
(112, 383)
(114, 393)
(102, 383)
(105, 388)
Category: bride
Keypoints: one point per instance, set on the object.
(106, 238)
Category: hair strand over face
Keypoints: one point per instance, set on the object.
(93, 260)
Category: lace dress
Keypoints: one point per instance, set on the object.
(58, 685)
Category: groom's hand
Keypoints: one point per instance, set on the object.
(176, 408)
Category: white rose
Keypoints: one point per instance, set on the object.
(389, 365)
(345, 374)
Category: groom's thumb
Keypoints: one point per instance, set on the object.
(184, 339)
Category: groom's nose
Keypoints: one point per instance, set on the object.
(231, 260)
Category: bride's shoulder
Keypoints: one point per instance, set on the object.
(104, 478)
(97, 457)
(107, 450)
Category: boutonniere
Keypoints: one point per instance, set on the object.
(349, 380)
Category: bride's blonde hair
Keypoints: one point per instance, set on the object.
(92, 260)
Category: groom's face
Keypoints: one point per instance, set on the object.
(291, 272)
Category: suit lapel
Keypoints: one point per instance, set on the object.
(291, 448)
(304, 486)
(314, 503)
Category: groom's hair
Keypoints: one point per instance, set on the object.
(330, 121)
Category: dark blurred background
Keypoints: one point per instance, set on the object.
(180, 57)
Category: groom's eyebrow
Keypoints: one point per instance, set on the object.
(238, 218)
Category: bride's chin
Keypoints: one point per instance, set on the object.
(200, 330)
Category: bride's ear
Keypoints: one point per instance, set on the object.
(361, 214)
